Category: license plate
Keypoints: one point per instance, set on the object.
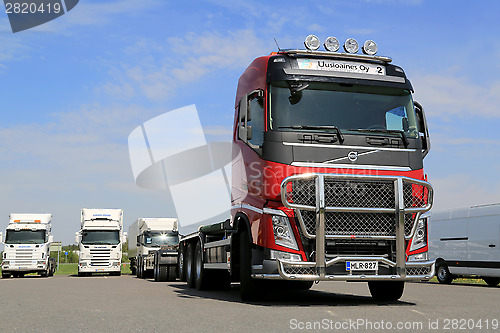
(361, 265)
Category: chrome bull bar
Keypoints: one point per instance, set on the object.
(317, 270)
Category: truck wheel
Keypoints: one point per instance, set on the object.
(443, 274)
(249, 287)
(201, 275)
(386, 290)
(46, 273)
(5, 275)
(181, 264)
(172, 272)
(190, 265)
(162, 273)
(491, 281)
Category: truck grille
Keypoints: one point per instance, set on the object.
(23, 256)
(356, 205)
(359, 224)
(100, 257)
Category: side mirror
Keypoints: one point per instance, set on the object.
(138, 240)
(77, 238)
(1, 238)
(51, 238)
(124, 237)
(423, 129)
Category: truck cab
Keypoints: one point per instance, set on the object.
(100, 241)
(27, 246)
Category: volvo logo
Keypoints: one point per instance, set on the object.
(353, 156)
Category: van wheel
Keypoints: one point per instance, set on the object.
(190, 265)
(443, 274)
(492, 281)
(386, 290)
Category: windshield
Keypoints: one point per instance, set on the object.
(100, 237)
(25, 237)
(158, 239)
(351, 108)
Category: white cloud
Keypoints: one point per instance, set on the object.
(190, 58)
(445, 95)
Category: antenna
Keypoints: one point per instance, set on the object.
(277, 44)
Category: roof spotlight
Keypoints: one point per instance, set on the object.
(370, 47)
(312, 42)
(332, 44)
(351, 46)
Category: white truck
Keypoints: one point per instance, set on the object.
(27, 246)
(465, 242)
(152, 248)
(100, 241)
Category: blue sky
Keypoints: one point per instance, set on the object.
(73, 89)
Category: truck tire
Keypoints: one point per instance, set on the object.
(172, 272)
(386, 290)
(443, 274)
(249, 287)
(162, 273)
(202, 276)
(491, 281)
(190, 265)
(181, 263)
(45, 273)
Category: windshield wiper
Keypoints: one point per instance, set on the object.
(379, 130)
(310, 127)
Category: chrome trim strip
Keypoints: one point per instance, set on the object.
(252, 208)
(350, 166)
(216, 265)
(346, 157)
(271, 211)
(374, 77)
(318, 145)
(217, 243)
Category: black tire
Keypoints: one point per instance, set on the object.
(443, 273)
(181, 264)
(190, 265)
(162, 273)
(201, 275)
(46, 273)
(156, 275)
(5, 275)
(249, 288)
(172, 272)
(386, 291)
(491, 281)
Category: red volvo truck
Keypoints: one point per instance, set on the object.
(327, 178)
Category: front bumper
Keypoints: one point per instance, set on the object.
(24, 267)
(336, 271)
(87, 268)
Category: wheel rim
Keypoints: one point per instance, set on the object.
(442, 273)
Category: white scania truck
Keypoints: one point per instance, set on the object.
(27, 246)
(100, 241)
(152, 248)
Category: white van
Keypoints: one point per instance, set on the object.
(466, 243)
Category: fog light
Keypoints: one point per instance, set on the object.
(351, 45)
(370, 47)
(332, 44)
(285, 256)
(418, 257)
(312, 42)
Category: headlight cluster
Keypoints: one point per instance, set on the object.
(419, 240)
(332, 44)
(283, 234)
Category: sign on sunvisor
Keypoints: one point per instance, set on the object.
(341, 66)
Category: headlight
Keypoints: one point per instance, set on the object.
(419, 240)
(283, 234)
(6, 262)
(418, 257)
(40, 262)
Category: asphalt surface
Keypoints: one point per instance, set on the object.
(128, 304)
